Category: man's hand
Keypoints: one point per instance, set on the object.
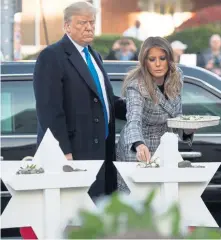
(143, 153)
(69, 156)
(133, 47)
(210, 65)
(116, 45)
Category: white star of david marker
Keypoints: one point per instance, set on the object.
(47, 201)
(184, 185)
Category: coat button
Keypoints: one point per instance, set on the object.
(96, 140)
(96, 120)
(95, 100)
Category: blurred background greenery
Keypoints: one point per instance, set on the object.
(197, 38)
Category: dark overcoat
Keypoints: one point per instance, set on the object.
(67, 103)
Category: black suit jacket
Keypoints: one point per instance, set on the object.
(67, 102)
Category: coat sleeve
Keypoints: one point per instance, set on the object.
(49, 97)
(120, 108)
(135, 104)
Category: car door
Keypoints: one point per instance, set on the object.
(200, 99)
(18, 127)
(18, 117)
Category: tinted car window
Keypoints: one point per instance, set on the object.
(196, 101)
(18, 114)
(117, 88)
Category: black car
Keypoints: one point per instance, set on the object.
(201, 96)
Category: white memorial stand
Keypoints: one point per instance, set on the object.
(47, 201)
(184, 185)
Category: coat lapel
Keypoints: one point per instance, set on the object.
(165, 104)
(78, 62)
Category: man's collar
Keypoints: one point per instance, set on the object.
(79, 47)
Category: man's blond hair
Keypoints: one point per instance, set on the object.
(77, 8)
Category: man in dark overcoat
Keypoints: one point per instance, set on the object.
(74, 97)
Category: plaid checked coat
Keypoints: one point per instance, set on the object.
(146, 122)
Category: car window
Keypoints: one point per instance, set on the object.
(199, 101)
(18, 114)
(117, 88)
(195, 99)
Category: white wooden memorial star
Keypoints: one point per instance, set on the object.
(47, 201)
(182, 185)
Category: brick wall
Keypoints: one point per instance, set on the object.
(54, 29)
(116, 16)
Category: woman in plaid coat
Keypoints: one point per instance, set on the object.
(153, 94)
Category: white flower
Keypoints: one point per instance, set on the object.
(153, 164)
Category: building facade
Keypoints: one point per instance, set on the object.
(41, 21)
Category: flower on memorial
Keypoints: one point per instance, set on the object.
(30, 169)
(152, 164)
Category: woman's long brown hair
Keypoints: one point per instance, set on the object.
(173, 83)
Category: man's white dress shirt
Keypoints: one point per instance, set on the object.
(100, 74)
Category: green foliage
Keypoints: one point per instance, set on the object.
(204, 233)
(196, 38)
(120, 217)
(175, 220)
(104, 43)
(101, 44)
(92, 227)
(31, 56)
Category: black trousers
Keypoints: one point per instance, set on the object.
(106, 180)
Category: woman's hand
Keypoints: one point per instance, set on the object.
(143, 153)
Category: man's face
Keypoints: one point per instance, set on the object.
(216, 44)
(125, 48)
(81, 28)
(137, 24)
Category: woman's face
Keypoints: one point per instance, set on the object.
(157, 63)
